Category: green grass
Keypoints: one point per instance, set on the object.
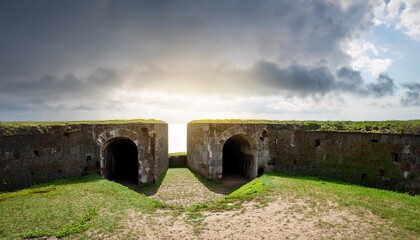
(252, 190)
(394, 126)
(402, 209)
(243, 121)
(67, 207)
(10, 128)
(70, 207)
(177, 154)
(78, 226)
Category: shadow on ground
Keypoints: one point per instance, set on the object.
(224, 186)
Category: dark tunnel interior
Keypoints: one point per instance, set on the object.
(121, 161)
(236, 158)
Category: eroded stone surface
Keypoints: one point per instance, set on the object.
(75, 150)
(380, 160)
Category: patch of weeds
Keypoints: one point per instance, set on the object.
(217, 205)
(324, 224)
(33, 190)
(196, 220)
(79, 226)
(264, 201)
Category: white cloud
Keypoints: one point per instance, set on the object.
(366, 57)
(403, 15)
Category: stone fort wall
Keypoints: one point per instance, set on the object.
(390, 161)
(32, 155)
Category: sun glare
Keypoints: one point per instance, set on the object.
(177, 134)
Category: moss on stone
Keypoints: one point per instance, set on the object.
(392, 127)
(11, 128)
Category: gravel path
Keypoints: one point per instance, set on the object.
(181, 187)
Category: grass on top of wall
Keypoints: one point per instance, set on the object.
(10, 128)
(177, 154)
(392, 126)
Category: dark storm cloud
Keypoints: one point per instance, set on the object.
(12, 107)
(51, 86)
(262, 79)
(412, 94)
(266, 78)
(41, 37)
(296, 79)
(350, 80)
(385, 86)
(77, 53)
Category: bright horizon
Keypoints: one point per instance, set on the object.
(183, 60)
(177, 137)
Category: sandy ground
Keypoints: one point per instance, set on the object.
(282, 218)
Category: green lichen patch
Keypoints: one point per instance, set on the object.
(392, 127)
(12, 128)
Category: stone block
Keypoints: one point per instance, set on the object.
(8, 156)
(417, 150)
(75, 150)
(212, 171)
(217, 155)
(408, 149)
(408, 158)
(215, 162)
(204, 155)
(415, 168)
(147, 164)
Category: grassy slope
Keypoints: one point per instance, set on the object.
(395, 126)
(9, 128)
(402, 209)
(68, 206)
(69, 202)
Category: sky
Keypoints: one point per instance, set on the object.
(198, 59)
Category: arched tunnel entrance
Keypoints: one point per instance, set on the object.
(238, 158)
(121, 162)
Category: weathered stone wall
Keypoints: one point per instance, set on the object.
(31, 156)
(380, 160)
(205, 146)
